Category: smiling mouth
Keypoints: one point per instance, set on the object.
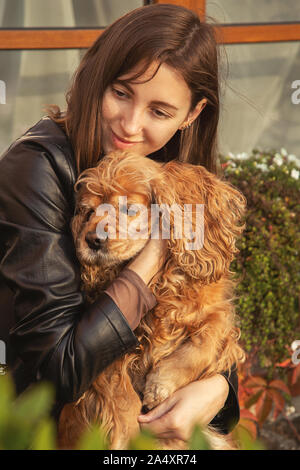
(123, 140)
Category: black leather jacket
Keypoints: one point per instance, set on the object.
(50, 334)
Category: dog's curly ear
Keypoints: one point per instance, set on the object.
(212, 213)
(80, 190)
(78, 216)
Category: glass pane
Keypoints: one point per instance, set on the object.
(263, 117)
(253, 11)
(66, 13)
(33, 79)
(266, 116)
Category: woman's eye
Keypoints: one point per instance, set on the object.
(119, 93)
(160, 114)
(157, 112)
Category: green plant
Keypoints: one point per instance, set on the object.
(261, 398)
(25, 423)
(267, 266)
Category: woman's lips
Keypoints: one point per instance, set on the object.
(121, 144)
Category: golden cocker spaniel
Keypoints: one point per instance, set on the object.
(192, 332)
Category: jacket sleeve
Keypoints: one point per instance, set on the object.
(229, 415)
(55, 336)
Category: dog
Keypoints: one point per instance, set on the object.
(192, 332)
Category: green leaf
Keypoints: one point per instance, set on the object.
(144, 441)
(7, 395)
(93, 439)
(198, 440)
(243, 437)
(16, 437)
(44, 437)
(35, 403)
(20, 417)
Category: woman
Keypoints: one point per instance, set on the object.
(149, 83)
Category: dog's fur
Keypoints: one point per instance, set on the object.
(192, 332)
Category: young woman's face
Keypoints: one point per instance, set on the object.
(144, 116)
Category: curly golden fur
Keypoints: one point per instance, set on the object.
(192, 332)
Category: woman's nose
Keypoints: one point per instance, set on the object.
(132, 124)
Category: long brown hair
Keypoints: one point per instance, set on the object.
(164, 33)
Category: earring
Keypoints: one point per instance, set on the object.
(186, 126)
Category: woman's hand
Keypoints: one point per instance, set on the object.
(197, 402)
(149, 261)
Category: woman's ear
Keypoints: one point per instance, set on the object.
(212, 212)
(196, 111)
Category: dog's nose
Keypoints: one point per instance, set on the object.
(93, 241)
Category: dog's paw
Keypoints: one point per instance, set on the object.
(154, 393)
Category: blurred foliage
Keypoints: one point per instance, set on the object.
(268, 291)
(24, 420)
(25, 423)
(268, 265)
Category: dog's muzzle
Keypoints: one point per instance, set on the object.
(94, 242)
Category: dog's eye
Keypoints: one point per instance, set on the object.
(127, 211)
(131, 212)
(123, 209)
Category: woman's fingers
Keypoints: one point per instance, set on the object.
(148, 262)
(197, 402)
(157, 412)
(163, 421)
